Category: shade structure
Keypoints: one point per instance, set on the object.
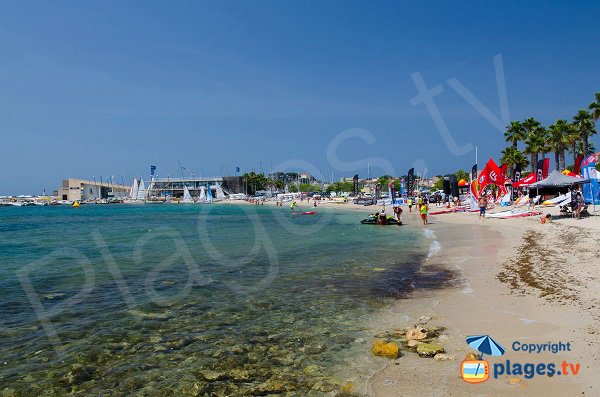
(557, 180)
(486, 345)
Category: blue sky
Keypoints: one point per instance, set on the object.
(108, 88)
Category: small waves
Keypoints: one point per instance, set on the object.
(435, 245)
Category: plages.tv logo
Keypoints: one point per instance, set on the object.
(476, 369)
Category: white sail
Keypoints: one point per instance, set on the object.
(187, 197)
(134, 190)
(141, 193)
(219, 192)
(202, 197)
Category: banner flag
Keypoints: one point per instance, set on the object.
(577, 168)
(591, 191)
(545, 168)
(540, 170)
(517, 173)
(410, 182)
(355, 184)
(377, 191)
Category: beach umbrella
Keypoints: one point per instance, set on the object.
(486, 345)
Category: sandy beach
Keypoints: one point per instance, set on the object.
(516, 280)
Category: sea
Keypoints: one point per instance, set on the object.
(182, 299)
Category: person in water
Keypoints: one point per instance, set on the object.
(293, 206)
(423, 211)
(382, 217)
(398, 213)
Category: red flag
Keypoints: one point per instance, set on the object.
(491, 174)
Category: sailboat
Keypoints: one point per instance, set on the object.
(220, 195)
(187, 197)
(209, 194)
(133, 192)
(202, 196)
(141, 193)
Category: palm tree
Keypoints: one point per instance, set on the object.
(534, 141)
(572, 138)
(513, 157)
(594, 107)
(584, 123)
(545, 136)
(559, 140)
(514, 133)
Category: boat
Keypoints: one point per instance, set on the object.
(187, 197)
(141, 191)
(374, 221)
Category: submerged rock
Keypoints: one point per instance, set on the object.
(240, 375)
(383, 349)
(211, 376)
(271, 386)
(312, 370)
(78, 374)
(418, 333)
(429, 349)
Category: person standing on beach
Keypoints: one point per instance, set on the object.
(579, 206)
(482, 206)
(423, 210)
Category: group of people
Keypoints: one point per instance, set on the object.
(294, 205)
(422, 206)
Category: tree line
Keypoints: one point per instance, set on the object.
(558, 138)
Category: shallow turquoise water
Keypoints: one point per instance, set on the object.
(161, 300)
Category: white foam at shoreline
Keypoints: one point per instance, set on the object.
(435, 245)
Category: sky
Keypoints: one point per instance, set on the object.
(105, 89)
